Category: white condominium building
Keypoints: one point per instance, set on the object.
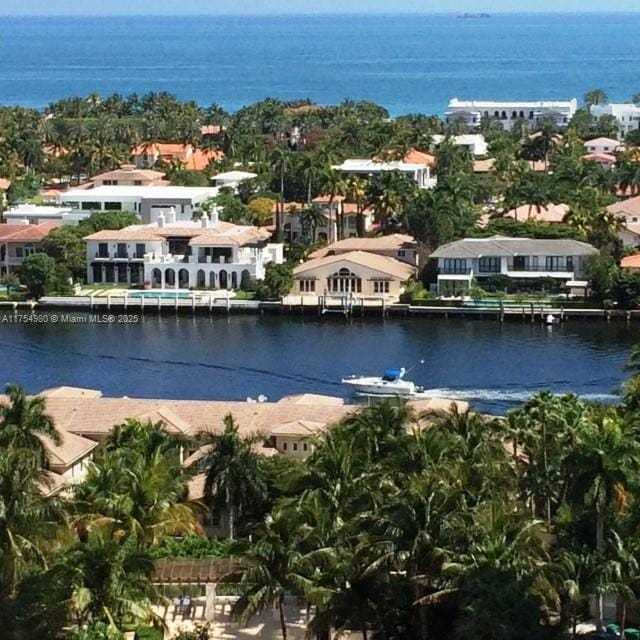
(627, 114)
(535, 113)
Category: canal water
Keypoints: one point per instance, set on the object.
(493, 365)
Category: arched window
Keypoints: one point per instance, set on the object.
(156, 278)
(170, 278)
(201, 280)
(344, 281)
(212, 280)
(503, 115)
(223, 279)
(183, 279)
(234, 280)
(522, 114)
(496, 114)
(514, 115)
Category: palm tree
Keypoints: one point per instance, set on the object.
(310, 169)
(281, 162)
(603, 464)
(24, 422)
(357, 192)
(595, 97)
(235, 479)
(310, 219)
(333, 183)
(277, 567)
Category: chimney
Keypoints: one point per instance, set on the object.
(161, 220)
(204, 220)
(171, 217)
(215, 217)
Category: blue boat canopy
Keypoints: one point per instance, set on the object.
(391, 374)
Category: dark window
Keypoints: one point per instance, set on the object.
(122, 250)
(454, 265)
(141, 249)
(489, 264)
(103, 250)
(113, 206)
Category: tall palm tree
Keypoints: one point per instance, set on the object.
(24, 422)
(235, 478)
(277, 567)
(281, 162)
(595, 97)
(333, 183)
(357, 192)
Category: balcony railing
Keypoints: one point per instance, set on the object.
(541, 267)
(458, 271)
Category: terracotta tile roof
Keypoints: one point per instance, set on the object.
(201, 159)
(192, 158)
(298, 428)
(237, 237)
(547, 213)
(393, 242)
(603, 142)
(325, 199)
(629, 208)
(211, 129)
(172, 422)
(26, 232)
(420, 157)
(599, 157)
(132, 173)
(4, 184)
(631, 262)
(70, 392)
(484, 166)
(153, 232)
(382, 264)
(70, 450)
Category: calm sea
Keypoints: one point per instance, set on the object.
(407, 63)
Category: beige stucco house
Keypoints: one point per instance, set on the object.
(358, 273)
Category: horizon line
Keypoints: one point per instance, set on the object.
(479, 12)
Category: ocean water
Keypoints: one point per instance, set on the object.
(406, 63)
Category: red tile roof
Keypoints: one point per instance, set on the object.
(26, 232)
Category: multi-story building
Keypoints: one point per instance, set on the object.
(627, 115)
(418, 171)
(148, 202)
(128, 175)
(474, 143)
(534, 113)
(173, 254)
(524, 261)
(17, 241)
(37, 214)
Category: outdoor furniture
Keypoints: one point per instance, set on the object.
(632, 634)
(186, 606)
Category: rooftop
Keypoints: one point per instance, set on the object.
(235, 176)
(631, 262)
(393, 242)
(503, 246)
(547, 213)
(383, 264)
(371, 166)
(130, 172)
(148, 191)
(629, 208)
(533, 104)
(26, 232)
(603, 142)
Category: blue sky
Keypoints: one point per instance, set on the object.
(84, 7)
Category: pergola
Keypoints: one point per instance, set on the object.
(201, 571)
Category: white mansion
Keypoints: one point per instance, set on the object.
(167, 253)
(471, 112)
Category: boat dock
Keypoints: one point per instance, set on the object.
(324, 306)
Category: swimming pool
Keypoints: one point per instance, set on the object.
(161, 293)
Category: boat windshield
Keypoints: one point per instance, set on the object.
(390, 375)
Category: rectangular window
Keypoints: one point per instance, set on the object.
(402, 253)
(103, 250)
(122, 250)
(19, 252)
(555, 263)
(489, 264)
(113, 206)
(454, 265)
(381, 286)
(137, 183)
(304, 446)
(284, 446)
(141, 249)
(295, 446)
(90, 206)
(307, 286)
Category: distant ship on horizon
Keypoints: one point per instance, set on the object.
(474, 15)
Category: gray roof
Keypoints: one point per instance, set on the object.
(502, 246)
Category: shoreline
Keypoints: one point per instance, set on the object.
(527, 312)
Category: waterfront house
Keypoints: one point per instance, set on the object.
(525, 262)
(17, 241)
(169, 253)
(190, 157)
(129, 175)
(146, 201)
(474, 143)
(84, 418)
(549, 213)
(534, 113)
(419, 172)
(627, 115)
(358, 274)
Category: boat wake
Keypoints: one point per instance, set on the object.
(506, 396)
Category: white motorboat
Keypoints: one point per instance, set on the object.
(391, 383)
